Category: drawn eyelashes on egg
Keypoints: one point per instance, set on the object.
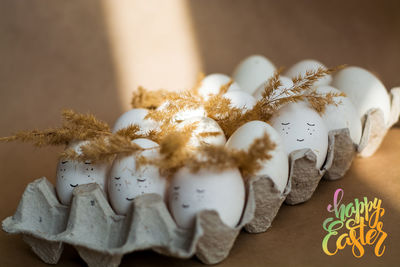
(310, 124)
(117, 178)
(176, 192)
(285, 123)
(63, 162)
(201, 191)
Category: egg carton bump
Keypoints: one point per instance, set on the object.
(375, 128)
(304, 174)
(102, 237)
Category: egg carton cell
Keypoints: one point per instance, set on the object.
(102, 237)
(304, 174)
(375, 129)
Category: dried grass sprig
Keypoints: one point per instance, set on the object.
(175, 155)
(301, 90)
(75, 126)
(220, 158)
(60, 136)
(133, 131)
(175, 103)
(143, 98)
(103, 149)
(72, 119)
(174, 150)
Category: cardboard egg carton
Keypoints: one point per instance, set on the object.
(303, 172)
(341, 150)
(375, 128)
(102, 237)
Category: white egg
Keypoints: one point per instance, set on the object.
(190, 193)
(364, 89)
(240, 99)
(125, 182)
(286, 83)
(301, 127)
(207, 131)
(72, 173)
(277, 167)
(212, 83)
(252, 72)
(135, 116)
(344, 115)
(306, 65)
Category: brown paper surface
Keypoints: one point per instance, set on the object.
(61, 54)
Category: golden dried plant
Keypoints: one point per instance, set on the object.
(143, 98)
(175, 155)
(103, 149)
(75, 126)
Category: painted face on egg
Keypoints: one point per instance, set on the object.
(126, 182)
(301, 127)
(72, 173)
(206, 190)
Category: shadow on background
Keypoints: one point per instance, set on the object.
(363, 33)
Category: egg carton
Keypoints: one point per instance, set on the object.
(102, 237)
(375, 127)
(304, 174)
(341, 150)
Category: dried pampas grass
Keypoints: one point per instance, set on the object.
(174, 156)
(103, 149)
(230, 118)
(75, 126)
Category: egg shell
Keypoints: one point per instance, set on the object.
(125, 182)
(204, 125)
(286, 83)
(135, 116)
(277, 167)
(212, 83)
(364, 89)
(301, 127)
(190, 193)
(251, 72)
(344, 115)
(71, 173)
(303, 66)
(240, 99)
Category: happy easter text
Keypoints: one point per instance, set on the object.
(361, 219)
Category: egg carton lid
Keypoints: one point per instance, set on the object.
(375, 128)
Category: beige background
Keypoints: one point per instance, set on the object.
(90, 55)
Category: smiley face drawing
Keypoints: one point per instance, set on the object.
(125, 182)
(190, 193)
(72, 173)
(301, 127)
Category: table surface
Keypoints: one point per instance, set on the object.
(295, 236)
